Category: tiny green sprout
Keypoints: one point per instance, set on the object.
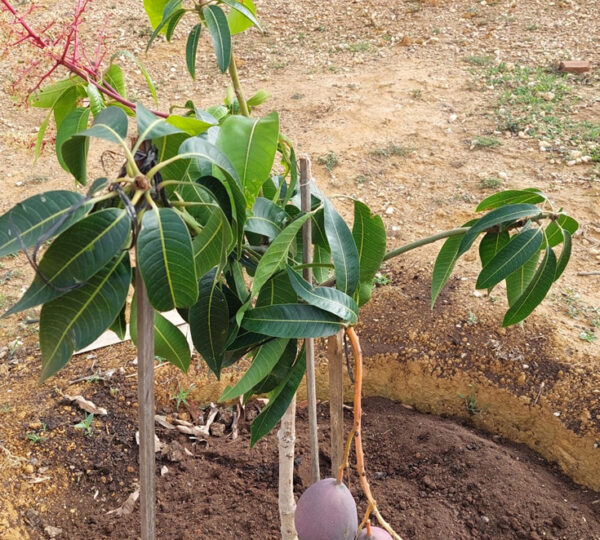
(472, 318)
(381, 279)
(114, 391)
(86, 425)
(4, 408)
(588, 335)
(329, 161)
(181, 396)
(36, 436)
(471, 404)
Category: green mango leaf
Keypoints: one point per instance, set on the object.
(203, 151)
(173, 22)
(565, 255)
(343, 250)
(110, 124)
(291, 321)
(47, 97)
(76, 255)
(279, 400)
(191, 48)
(166, 260)
(39, 140)
(444, 264)
(490, 244)
(268, 218)
(511, 196)
(517, 282)
(115, 78)
(75, 121)
(250, 144)
(325, 298)
(502, 215)
(245, 11)
(95, 99)
(77, 318)
(216, 23)
(172, 10)
(119, 325)
(209, 322)
(554, 231)
(535, 292)
(140, 65)
(369, 236)
(276, 255)
(238, 21)
(154, 9)
(37, 216)
(169, 342)
(211, 245)
(264, 361)
(277, 290)
(257, 99)
(192, 126)
(151, 126)
(512, 256)
(322, 264)
(279, 372)
(64, 105)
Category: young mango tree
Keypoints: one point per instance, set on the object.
(206, 213)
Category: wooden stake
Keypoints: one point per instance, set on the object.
(336, 399)
(305, 203)
(145, 346)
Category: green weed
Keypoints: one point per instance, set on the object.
(484, 142)
(180, 397)
(86, 425)
(329, 161)
(490, 182)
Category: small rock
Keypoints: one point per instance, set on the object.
(548, 96)
(571, 162)
(217, 429)
(428, 482)
(28, 468)
(452, 118)
(559, 522)
(173, 451)
(390, 210)
(52, 532)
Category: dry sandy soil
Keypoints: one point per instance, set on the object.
(421, 109)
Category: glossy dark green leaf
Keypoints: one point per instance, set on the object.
(250, 144)
(511, 196)
(209, 322)
(502, 215)
(444, 264)
(119, 325)
(77, 318)
(279, 372)
(151, 126)
(166, 260)
(512, 256)
(263, 362)
(369, 236)
(517, 282)
(277, 290)
(191, 48)
(565, 255)
(535, 292)
(110, 124)
(554, 231)
(216, 23)
(291, 321)
(326, 298)
(322, 262)
(173, 22)
(76, 255)
(198, 149)
(490, 244)
(279, 400)
(36, 217)
(77, 147)
(343, 250)
(169, 342)
(276, 255)
(267, 219)
(212, 243)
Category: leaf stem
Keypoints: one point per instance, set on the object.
(424, 241)
(237, 87)
(360, 456)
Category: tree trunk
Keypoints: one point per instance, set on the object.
(287, 504)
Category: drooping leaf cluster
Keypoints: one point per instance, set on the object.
(207, 209)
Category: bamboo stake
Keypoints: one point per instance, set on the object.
(145, 346)
(336, 399)
(305, 180)
(286, 437)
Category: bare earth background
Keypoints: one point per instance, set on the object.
(421, 109)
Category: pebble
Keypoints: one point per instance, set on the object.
(452, 118)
